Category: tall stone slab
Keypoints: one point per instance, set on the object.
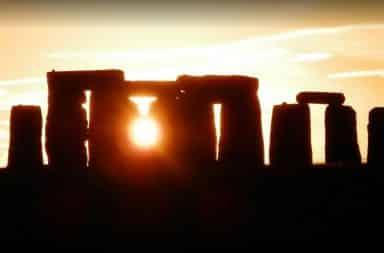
(341, 136)
(290, 147)
(198, 129)
(241, 132)
(166, 111)
(241, 141)
(25, 149)
(376, 138)
(111, 111)
(66, 128)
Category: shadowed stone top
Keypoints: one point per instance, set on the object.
(376, 115)
(83, 79)
(218, 87)
(320, 98)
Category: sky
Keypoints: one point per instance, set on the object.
(290, 46)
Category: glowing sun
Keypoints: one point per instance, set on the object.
(144, 132)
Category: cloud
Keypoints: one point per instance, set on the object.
(22, 81)
(316, 31)
(357, 74)
(254, 45)
(312, 57)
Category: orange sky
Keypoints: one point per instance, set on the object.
(290, 47)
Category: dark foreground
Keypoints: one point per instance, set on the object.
(232, 209)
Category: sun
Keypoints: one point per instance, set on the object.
(144, 132)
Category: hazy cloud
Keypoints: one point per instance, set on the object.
(312, 57)
(357, 74)
(22, 81)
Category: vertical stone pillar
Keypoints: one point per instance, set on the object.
(198, 127)
(376, 138)
(341, 135)
(241, 141)
(108, 136)
(290, 146)
(199, 135)
(166, 110)
(25, 138)
(66, 127)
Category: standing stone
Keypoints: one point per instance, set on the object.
(241, 132)
(198, 130)
(25, 138)
(290, 146)
(376, 138)
(341, 135)
(241, 141)
(111, 111)
(166, 112)
(199, 134)
(66, 129)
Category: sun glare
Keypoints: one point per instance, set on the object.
(145, 132)
(143, 104)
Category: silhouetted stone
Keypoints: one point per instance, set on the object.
(66, 127)
(111, 112)
(290, 145)
(241, 142)
(341, 135)
(198, 131)
(66, 130)
(376, 138)
(320, 98)
(164, 159)
(25, 138)
(166, 111)
(241, 131)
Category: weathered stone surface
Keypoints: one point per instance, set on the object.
(341, 135)
(25, 149)
(320, 98)
(376, 138)
(290, 146)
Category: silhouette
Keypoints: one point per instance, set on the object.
(167, 111)
(341, 145)
(25, 138)
(320, 98)
(176, 190)
(66, 129)
(291, 137)
(241, 133)
(375, 139)
(110, 110)
(341, 136)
